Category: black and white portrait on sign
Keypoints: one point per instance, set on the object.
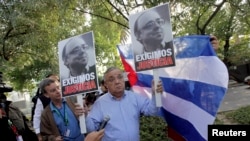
(152, 38)
(77, 64)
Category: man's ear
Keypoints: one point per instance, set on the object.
(105, 85)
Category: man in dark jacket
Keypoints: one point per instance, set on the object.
(13, 123)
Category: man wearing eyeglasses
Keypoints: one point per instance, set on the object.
(75, 57)
(149, 31)
(123, 109)
(59, 120)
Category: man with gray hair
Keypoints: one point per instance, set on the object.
(122, 107)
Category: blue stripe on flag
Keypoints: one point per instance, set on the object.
(185, 128)
(193, 46)
(201, 94)
(205, 96)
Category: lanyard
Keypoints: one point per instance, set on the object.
(65, 117)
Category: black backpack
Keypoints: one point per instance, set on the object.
(34, 101)
(45, 101)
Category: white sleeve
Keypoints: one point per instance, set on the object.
(37, 116)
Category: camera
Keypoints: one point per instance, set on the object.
(3, 86)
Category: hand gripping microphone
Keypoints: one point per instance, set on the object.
(104, 122)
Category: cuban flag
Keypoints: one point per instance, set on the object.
(193, 89)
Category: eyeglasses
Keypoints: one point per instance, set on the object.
(79, 48)
(84, 46)
(152, 24)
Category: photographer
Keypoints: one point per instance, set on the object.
(5, 130)
(13, 124)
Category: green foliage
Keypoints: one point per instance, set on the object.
(241, 115)
(31, 29)
(153, 129)
(107, 36)
(223, 19)
(218, 121)
(28, 46)
(238, 116)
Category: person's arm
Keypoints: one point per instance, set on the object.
(95, 136)
(48, 128)
(37, 118)
(94, 117)
(148, 106)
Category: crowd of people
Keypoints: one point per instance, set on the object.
(56, 118)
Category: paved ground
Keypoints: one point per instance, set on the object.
(238, 95)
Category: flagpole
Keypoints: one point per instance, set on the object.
(157, 95)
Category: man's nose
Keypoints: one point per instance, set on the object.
(117, 80)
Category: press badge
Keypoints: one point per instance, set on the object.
(67, 133)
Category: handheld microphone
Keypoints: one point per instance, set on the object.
(104, 122)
